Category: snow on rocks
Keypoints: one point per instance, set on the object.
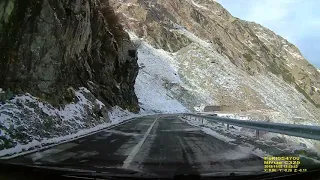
(28, 123)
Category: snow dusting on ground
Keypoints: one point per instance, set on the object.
(266, 145)
(217, 135)
(29, 124)
(243, 150)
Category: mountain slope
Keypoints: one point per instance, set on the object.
(227, 60)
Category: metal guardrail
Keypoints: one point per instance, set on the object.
(304, 131)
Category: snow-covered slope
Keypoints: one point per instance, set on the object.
(198, 75)
(155, 71)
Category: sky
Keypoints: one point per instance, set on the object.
(298, 21)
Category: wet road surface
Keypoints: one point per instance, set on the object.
(159, 144)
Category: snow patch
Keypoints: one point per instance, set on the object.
(122, 133)
(216, 135)
(152, 79)
(294, 54)
(241, 152)
(198, 5)
(195, 38)
(130, 18)
(261, 37)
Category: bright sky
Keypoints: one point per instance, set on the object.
(298, 21)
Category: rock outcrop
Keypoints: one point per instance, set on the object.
(47, 46)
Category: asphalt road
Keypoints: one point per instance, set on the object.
(152, 144)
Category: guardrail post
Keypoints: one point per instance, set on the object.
(257, 133)
(228, 126)
(202, 121)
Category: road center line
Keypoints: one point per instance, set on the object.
(136, 149)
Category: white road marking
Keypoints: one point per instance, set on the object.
(136, 149)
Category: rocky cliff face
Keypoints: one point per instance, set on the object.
(48, 46)
(227, 60)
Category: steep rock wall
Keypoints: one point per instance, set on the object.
(47, 46)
